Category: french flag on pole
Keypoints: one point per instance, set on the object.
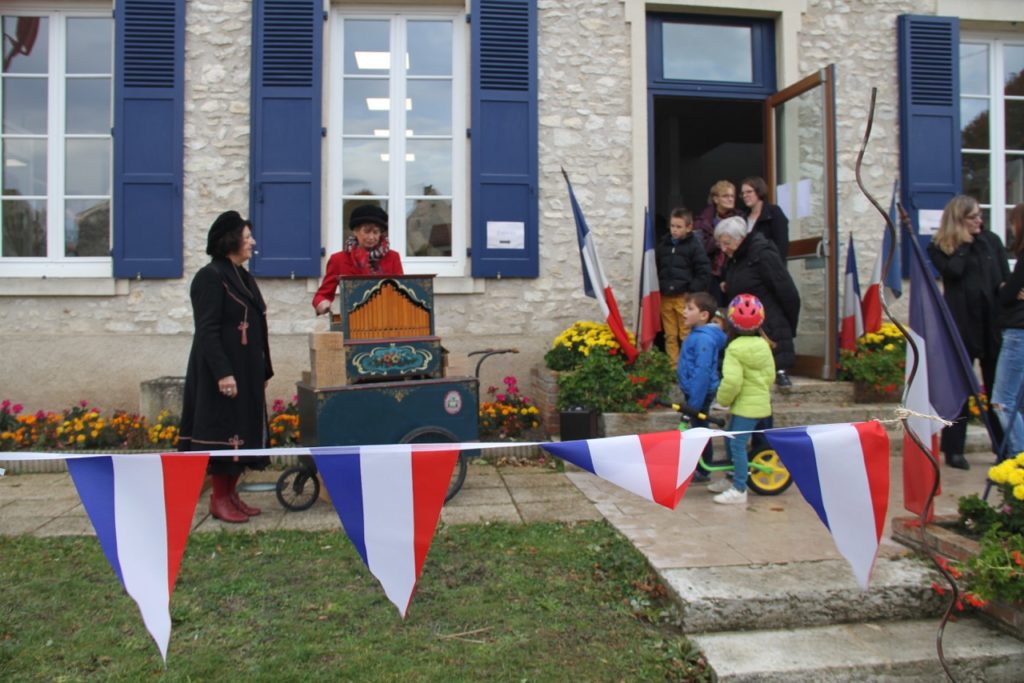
(842, 471)
(595, 284)
(943, 382)
(141, 507)
(649, 320)
(852, 327)
(655, 466)
(389, 500)
(893, 279)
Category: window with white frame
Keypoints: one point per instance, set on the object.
(992, 123)
(397, 132)
(56, 97)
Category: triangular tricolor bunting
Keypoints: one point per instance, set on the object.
(655, 466)
(842, 471)
(141, 507)
(389, 500)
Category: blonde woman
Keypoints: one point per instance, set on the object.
(721, 205)
(972, 263)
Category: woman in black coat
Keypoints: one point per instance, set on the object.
(972, 263)
(753, 266)
(229, 365)
(764, 217)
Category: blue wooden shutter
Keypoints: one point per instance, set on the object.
(148, 138)
(930, 169)
(286, 137)
(504, 133)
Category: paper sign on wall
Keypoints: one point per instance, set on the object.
(928, 221)
(506, 235)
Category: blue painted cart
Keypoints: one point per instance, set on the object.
(393, 389)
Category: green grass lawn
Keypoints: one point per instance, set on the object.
(537, 602)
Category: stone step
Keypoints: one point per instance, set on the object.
(801, 594)
(877, 650)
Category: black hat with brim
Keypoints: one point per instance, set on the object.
(368, 213)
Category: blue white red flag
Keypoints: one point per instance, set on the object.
(649, 320)
(852, 326)
(893, 278)
(842, 471)
(141, 507)
(389, 500)
(944, 378)
(595, 284)
(656, 466)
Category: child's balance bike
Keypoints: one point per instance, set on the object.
(768, 476)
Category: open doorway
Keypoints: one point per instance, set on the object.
(698, 142)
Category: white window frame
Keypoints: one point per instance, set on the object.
(59, 266)
(456, 265)
(997, 204)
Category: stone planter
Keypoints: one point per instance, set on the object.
(866, 393)
(621, 424)
(943, 539)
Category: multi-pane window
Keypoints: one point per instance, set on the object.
(56, 98)
(992, 123)
(398, 116)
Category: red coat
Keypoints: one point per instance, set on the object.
(354, 262)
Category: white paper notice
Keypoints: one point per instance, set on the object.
(506, 235)
(784, 198)
(803, 198)
(928, 221)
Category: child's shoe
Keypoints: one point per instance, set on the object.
(731, 497)
(720, 486)
(700, 476)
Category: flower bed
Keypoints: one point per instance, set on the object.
(942, 537)
(86, 428)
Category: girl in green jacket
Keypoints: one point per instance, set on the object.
(748, 372)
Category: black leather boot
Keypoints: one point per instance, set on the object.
(958, 461)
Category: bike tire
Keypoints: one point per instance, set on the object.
(297, 488)
(442, 435)
(768, 483)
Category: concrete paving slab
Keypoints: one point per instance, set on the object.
(558, 511)
(903, 651)
(75, 525)
(476, 514)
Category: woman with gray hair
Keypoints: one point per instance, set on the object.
(753, 266)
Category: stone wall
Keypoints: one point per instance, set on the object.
(61, 349)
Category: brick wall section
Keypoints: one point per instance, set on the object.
(545, 396)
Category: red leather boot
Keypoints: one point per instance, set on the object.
(238, 502)
(221, 506)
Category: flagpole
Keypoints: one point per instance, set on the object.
(890, 227)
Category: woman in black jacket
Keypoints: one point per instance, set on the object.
(753, 266)
(225, 405)
(764, 217)
(1009, 381)
(972, 263)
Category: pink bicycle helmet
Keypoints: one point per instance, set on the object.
(746, 312)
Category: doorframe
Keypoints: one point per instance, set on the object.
(828, 245)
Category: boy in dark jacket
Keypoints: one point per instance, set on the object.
(683, 267)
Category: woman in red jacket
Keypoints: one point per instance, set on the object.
(366, 252)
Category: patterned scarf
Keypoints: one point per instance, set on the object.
(375, 254)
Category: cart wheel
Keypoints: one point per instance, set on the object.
(298, 488)
(769, 483)
(442, 435)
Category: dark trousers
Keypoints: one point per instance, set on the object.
(954, 438)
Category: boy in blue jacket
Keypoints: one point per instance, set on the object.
(697, 368)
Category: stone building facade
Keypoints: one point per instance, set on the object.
(65, 340)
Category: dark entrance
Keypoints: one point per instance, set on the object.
(698, 142)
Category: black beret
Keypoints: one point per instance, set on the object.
(368, 213)
(226, 223)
